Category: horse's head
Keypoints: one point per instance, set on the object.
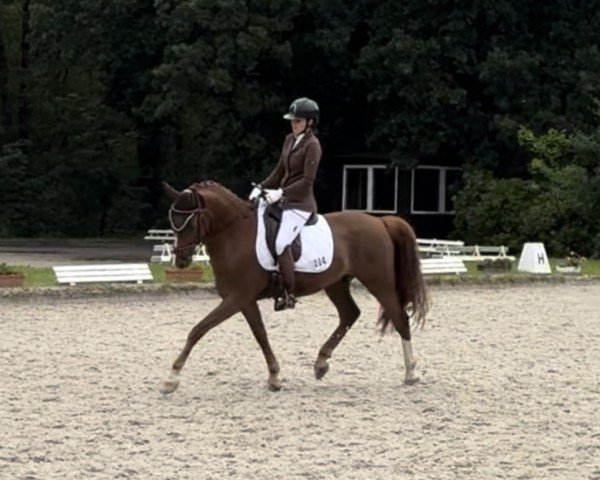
(199, 212)
(190, 221)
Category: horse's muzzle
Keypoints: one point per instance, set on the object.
(183, 259)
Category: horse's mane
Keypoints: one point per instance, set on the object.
(243, 205)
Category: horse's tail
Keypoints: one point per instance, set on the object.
(410, 286)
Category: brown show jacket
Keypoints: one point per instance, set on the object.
(295, 172)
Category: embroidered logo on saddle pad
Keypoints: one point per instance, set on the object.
(316, 245)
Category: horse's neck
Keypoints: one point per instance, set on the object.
(226, 217)
(232, 239)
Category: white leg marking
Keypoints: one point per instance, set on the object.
(409, 363)
(170, 384)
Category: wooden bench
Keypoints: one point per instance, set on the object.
(442, 266)
(121, 272)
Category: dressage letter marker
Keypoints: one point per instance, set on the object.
(533, 259)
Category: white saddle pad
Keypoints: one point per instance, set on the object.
(317, 246)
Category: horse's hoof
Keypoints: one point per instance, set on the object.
(274, 385)
(169, 386)
(411, 380)
(321, 370)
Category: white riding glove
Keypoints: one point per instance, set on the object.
(255, 193)
(274, 195)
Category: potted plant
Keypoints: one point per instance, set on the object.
(499, 264)
(9, 277)
(571, 264)
(190, 274)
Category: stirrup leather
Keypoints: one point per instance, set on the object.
(284, 301)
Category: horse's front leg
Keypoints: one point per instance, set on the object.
(228, 307)
(254, 319)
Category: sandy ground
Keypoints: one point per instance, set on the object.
(510, 389)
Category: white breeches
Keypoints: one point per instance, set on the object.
(292, 222)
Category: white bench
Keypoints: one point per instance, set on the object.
(477, 253)
(434, 242)
(442, 266)
(167, 255)
(200, 254)
(121, 272)
(436, 248)
(165, 251)
(154, 235)
(166, 239)
(457, 248)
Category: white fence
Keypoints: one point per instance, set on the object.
(448, 256)
(456, 248)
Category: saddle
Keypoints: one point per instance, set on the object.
(272, 218)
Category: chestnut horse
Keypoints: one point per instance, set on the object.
(380, 252)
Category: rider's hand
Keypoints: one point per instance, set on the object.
(274, 195)
(256, 191)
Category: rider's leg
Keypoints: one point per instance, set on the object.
(286, 268)
(292, 222)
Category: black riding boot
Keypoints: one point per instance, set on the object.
(286, 267)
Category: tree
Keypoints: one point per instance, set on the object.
(5, 116)
(463, 78)
(219, 86)
(556, 204)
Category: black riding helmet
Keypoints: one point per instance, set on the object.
(303, 108)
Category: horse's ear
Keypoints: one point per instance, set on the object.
(201, 201)
(171, 193)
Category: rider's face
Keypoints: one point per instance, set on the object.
(298, 125)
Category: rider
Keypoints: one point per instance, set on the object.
(291, 184)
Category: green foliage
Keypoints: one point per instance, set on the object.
(555, 205)
(219, 85)
(7, 270)
(76, 173)
(195, 89)
(492, 211)
(553, 147)
(443, 77)
(18, 214)
(75, 178)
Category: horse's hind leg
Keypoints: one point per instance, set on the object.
(254, 319)
(402, 324)
(339, 294)
(399, 318)
(392, 310)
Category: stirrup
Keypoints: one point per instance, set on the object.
(285, 301)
